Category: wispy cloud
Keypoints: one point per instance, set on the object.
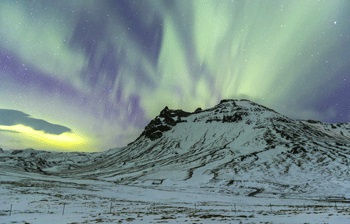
(15, 117)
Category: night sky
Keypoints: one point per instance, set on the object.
(89, 75)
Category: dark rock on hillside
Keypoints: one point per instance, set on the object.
(164, 122)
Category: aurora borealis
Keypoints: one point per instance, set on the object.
(99, 71)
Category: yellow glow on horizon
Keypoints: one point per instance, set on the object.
(67, 141)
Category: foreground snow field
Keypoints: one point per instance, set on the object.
(38, 199)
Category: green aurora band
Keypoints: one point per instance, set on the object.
(105, 68)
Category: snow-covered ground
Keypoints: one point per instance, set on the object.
(40, 199)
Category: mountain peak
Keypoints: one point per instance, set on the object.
(165, 110)
(227, 111)
(164, 122)
(240, 139)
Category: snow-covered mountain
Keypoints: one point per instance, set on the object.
(237, 146)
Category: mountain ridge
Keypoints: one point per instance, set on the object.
(237, 145)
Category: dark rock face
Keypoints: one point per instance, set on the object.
(164, 122)
(198, 110)
(238, 116)
(15, 152)
(228, 101)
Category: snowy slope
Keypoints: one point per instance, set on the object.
(238, 147)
